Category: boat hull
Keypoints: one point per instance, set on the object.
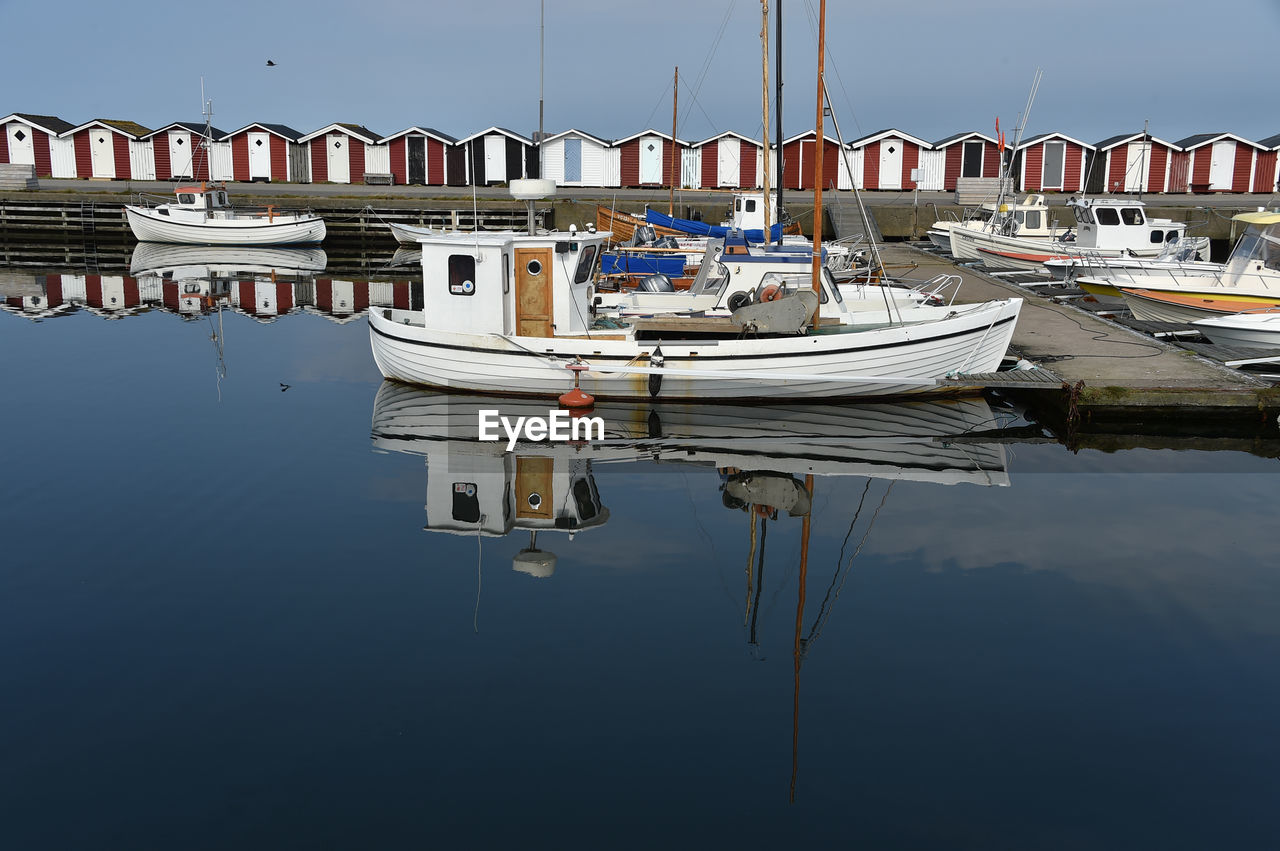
(149, 226)
(1170, 306)
(893, 360)
(1247, 330)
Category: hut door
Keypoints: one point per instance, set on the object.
(495, 159)
(417, 159)
(339, 158)
(1222, 164)
(572, 160)
(102, 153)
(22, 150)
(972, 166)
(891, 164)
(180, 155)
(533, 487)
(299, 163)
(650, 159)
(259, 156)
(728, 164)
(533, 292)
(1138, 167)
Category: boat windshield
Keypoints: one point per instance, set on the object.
(712, 276)
(1261, 244)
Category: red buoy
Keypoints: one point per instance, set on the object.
(577, 397)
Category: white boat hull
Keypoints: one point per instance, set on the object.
(893, 360)
(150, 226)
(1247, 330)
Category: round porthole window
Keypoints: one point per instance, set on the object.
(534, 267)
(535, 500)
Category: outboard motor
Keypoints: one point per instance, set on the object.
(666, 242)
(656, 283)
(645, 234)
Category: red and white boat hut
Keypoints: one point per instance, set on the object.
(1132, 162)
(31, 139)
(343, 153)
(729, 161)
(112, 150)
(577, 158)
(797, 163)
(497, 155)
(645, 159)
(181, 151)
(969, 154)
(887, 158)
(417, 155)
(1218, 162)
(1264, 172)
(267, 152)
(1052, 162)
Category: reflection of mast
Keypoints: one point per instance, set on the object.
(221, 369)
(798, 649)
(755, 609)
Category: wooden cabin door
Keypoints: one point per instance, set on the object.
(651, 159)
(180, 165)
(1137, 166)
(1222, 164)
(259, 156)
(533, 292)
(339, 157)
(417, 146)
(533, 487)
(22, 150)
(102, 153)
(973, 154)
(891, 164)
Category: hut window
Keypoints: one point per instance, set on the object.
(1107, 216)
(462, 274)
(1131, 216)
(19, 135)
(179, 140)
(586, 261)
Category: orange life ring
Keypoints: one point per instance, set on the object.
(770, 292)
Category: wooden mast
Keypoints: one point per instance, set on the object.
(817, 161)
(675, 149)
(764, 102)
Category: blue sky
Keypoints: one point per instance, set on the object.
(930, 68)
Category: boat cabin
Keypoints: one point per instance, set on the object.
(1118, 224)
(1258, 249)
(202, 197)
(748, 211)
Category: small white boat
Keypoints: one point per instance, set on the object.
(408, 234)
(1248, 330)
(202, 215)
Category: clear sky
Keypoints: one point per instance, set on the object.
(930, 68)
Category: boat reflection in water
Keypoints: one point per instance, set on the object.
(762, 453)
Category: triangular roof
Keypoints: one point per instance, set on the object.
(511, 134)
(127, 128)
(1271, 143)
(426, 131)
(961, 137)
(649, 132)
(191, 126)
(732, 133)
(282, 130)
(50, 124)
(808, 134)
(361, 132)
(573, 132)
(891, 133)
(1041, 137)
(1201, 139)
(1126, 138)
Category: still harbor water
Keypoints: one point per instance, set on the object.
(253, 596)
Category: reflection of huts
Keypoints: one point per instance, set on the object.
(1217, 162)
(798, 154)
(645, 159)
(729, 161)
(32, 139)
(113, 150)
(270, 152)
(417, 155)
(181, 151)
(969, 154)
(499, 156)
(888, 159)
(1132, 162)
(576, 158)
(1051, 162)
(344, 153)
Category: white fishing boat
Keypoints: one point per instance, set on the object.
(202, 215)
(1259, 330)
(1188, 255)
(408, 234)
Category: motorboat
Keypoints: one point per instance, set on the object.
(1259, 330)
(202, 215)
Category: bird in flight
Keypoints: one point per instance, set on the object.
(270, 64)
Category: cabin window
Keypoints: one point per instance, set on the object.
(222, 199)
(1171, 236)
(415, 295)
(466, 502)
(586, 262)
(1107, 216)
(462, 274)
(1033, 219)
(534, 267)
(186, 198)
(1132, 216)
(1157, 237)
(751, 205)
(737, 204)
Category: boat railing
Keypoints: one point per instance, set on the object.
(145, 199)
(936, 287)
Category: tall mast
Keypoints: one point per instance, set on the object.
(542, 43)
(764, 103)
(675, 149)
(818, 145)
(777, 11)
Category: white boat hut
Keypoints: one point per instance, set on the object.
(267, 152)
(1051, 162)
(418, 155)
(729, 161)
(969, 154)
(577, 158)
(346, 153)
(499, 156)
(181, 151)
(33, 140)
(888, 160)
(1219, 162)
(112, 150)
(1133, 162)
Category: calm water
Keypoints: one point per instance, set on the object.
(264, 600)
